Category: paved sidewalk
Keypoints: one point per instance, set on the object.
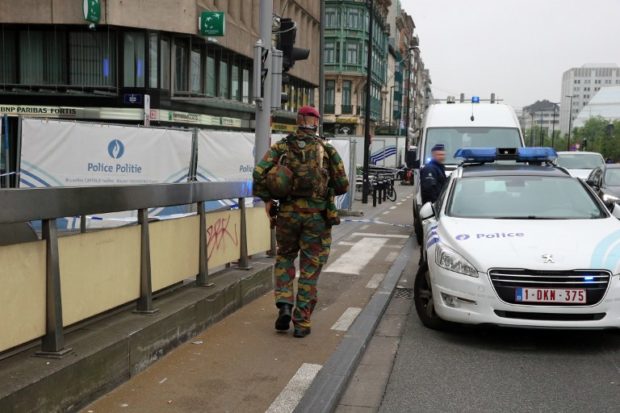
(242, 364)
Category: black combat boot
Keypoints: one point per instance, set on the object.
(284, 317)
(301, 332)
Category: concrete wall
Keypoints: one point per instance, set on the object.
(101, 270)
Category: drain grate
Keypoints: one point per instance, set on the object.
(404, 293)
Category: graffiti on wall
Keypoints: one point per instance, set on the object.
(222, 237)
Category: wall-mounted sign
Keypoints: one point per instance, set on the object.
(92, 10)
(212, 23)
(133, 99)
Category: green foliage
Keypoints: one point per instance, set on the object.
(600, 136)
(596, 134)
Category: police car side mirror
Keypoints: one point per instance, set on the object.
(616, 211)
(427, 211)
(592, 183)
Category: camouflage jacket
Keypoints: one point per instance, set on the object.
(337, 176)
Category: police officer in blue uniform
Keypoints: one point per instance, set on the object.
(433, 175)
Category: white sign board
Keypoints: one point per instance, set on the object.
(225, 156)
(60, 153)
(64, 153)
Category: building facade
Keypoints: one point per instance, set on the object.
(582, 84)
(540, 119)
(346, 51)
(53, 61)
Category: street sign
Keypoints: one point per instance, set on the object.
(132, 99)
(212, 23)
(92, 10)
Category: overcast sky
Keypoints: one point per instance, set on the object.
(515, 48)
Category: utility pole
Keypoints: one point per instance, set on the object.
(555, 106)
(366, 178)
(570, 121)
(322, 68)
(263, 100)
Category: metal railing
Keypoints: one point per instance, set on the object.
(50, 204)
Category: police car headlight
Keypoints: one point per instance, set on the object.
(610, 198)
(451, 261)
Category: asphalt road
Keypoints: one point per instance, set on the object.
(500, 369)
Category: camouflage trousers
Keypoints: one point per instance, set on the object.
(305, 235)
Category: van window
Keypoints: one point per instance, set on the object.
(457, 138)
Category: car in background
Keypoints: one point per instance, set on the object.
(580, 164)
(462, 125)
(520, 244)
(605, 180)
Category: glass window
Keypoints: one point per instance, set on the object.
(612, 176)
(153, 60)
(92, 59)
(211, 76)
(331, 18)
(523, 197)
(352, 53)
(195, 71)
(223, 80)
(133, 59)
(330, 92)
(181, 59)
(346, 92)
(234, 83)
(580, 160)
(164, 63)
(42, 58)
(330, 52)
(353, 19)
(246, 86)
(469, 137)
(8, 56)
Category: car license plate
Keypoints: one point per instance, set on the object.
(551, 295)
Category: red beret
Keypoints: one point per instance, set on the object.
(309, 111)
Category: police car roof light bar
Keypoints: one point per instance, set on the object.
(490, 154)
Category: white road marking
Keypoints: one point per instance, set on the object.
(375, 281)
(392, 208)
(399, 203)
(354, 260)
(372, 234)
(289, 398)
(391, 256)
(346, 319)
(364, 227)
(346, 243)
(386, 212)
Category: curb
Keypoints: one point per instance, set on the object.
(331, 382)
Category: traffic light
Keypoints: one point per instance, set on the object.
(286, 43)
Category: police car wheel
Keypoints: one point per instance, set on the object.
(417, 226)
(423, 299)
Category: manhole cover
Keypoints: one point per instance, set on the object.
(404, 293)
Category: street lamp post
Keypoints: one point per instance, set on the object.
(555, 106)
(570, 121)
(366, 178)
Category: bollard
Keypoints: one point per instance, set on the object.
(203, 257)
(145, 302)
(374, 194)
(244, 261)
(82, 224)
(385, 189)
(380, 192)
(53, 343)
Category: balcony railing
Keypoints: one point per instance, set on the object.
(329, 108)
(346, 109)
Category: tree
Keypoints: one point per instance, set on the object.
(600, 136)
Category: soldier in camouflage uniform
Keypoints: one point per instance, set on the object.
(303, 224)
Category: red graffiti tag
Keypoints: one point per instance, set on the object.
(217, 235)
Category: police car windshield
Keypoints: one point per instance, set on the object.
(522, 197)
(580, 160)
(466, 137)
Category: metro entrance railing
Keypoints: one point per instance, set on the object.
(51, 204)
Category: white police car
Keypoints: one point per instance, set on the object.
(519, 243)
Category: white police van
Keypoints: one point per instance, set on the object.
(460, 125)
(518, 243)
